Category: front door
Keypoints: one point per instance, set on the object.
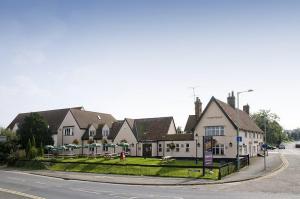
(147, 150)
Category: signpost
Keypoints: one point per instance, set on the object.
(207, 152)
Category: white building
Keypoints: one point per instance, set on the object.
(155, 137)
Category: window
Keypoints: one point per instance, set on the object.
(168, 147)
(246, 134)
(92, 133)
(177, 147)
(68, 131)
(241, 149)
(214, 130)
(187, 147)
(182, 145)
(105, 132)
(245, 149)
(218, 149)
(159, 148)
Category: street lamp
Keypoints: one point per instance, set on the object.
(238, 129)
(196, 148)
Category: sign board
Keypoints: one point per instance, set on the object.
(208, 160)
(239, 139)
(207, 151)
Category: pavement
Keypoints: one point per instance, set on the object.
(255, 170)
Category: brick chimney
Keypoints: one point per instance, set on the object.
(231, 99)
(198, 107)
(246, 108)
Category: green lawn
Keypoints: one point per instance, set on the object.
(129, 169)
(134, 160)
(134, 170)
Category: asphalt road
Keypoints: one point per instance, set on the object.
(283, 184)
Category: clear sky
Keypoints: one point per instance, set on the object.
(139, 58)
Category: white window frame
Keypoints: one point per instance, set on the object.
(177, 147)
(214, 131)
(220, 148)
(68, 131)
(187, 147)
(92, 133)
(159, 147)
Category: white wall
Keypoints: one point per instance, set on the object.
(69, 121)
(126, 133)
(172, 129)
(182, 149)
(215, 117)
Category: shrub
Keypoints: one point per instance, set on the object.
(75, 142)
(33, 153)
(21, 154)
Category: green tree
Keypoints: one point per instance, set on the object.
(35, 127)
(28, 148)
(10, 146)
(275, 133)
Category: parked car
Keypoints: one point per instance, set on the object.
(281, 146)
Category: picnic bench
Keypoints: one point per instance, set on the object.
(167, 158)
(109, 156)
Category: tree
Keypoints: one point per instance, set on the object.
(28, 148)
(295, 134)
(275, 133)
(10, 146)
(35, 127)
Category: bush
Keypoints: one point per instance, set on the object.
(32, 164)
(41, 152)
(21, 154)
(33, 153)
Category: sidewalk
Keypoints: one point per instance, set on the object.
(255, 170)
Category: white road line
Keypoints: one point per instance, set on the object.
(40, 182)
(20, 194)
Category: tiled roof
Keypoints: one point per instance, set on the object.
(190, 124)
(85, 118)
(98, 135)
(53, 117)
(151, 128)
(115, 128)
(245, 121)
(178, 137)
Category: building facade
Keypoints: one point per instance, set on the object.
(156, 137)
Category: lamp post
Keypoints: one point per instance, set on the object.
(266, 148)
(196, 148)
(238, 128)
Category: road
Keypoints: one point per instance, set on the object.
(284, 184)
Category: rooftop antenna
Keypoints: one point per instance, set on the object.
(194, 94)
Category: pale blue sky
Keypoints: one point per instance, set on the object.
(139, 58)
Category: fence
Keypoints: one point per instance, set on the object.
(231, 167)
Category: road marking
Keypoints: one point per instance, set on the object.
(20, 194)
(40, 182)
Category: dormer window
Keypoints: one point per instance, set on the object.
(92, 133)
(99, 117)
(105, 132)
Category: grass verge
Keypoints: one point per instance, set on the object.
(135, 170)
